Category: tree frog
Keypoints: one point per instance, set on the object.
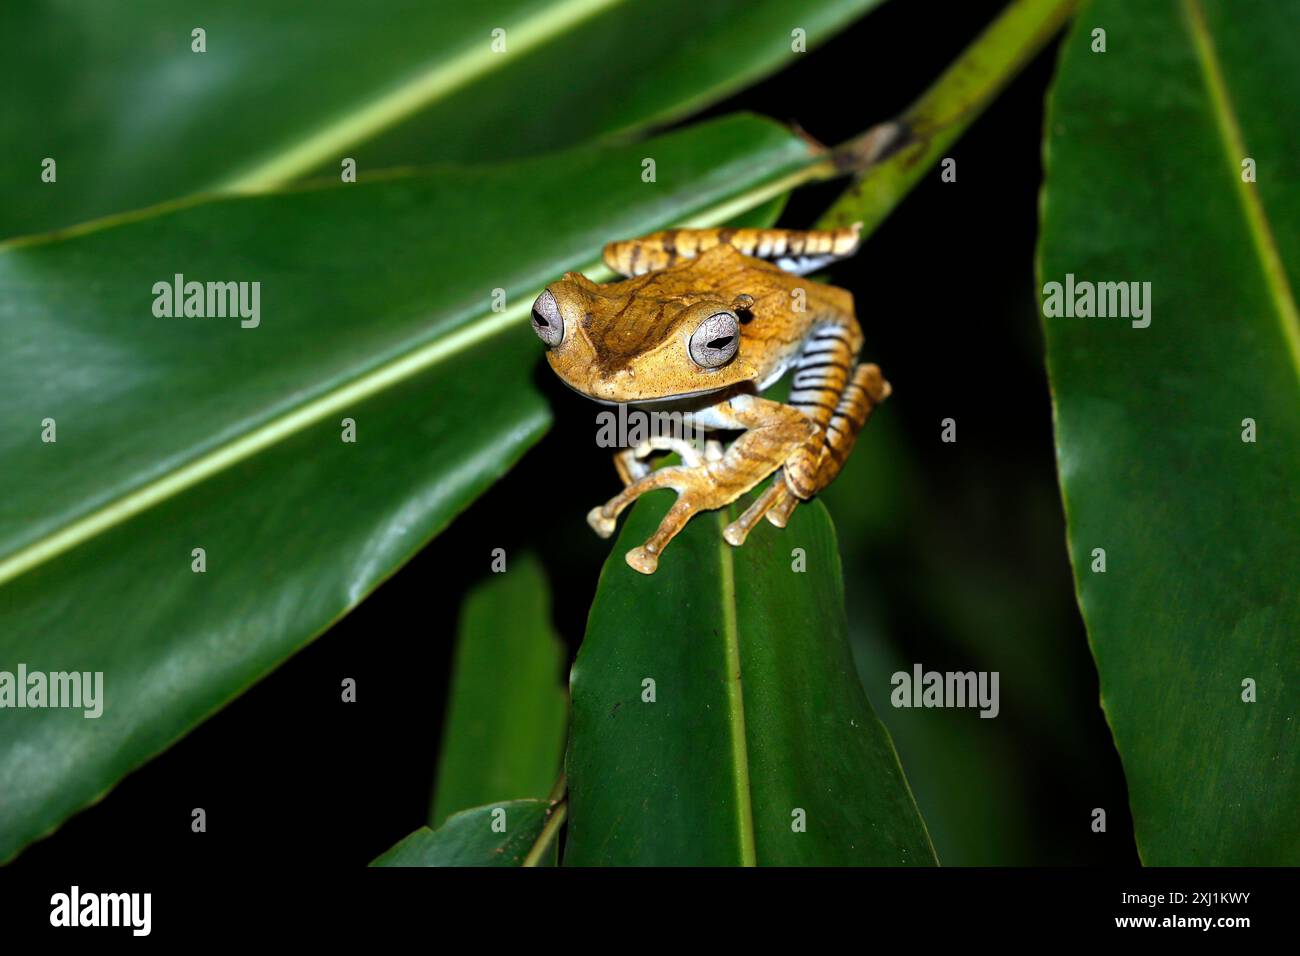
(704, 320)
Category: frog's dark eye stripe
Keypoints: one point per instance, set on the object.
(547, 321)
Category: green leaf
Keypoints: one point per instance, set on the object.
(136, 117)
(184, 433)
(504, 734)
(469, 839)
(1200, 529)
(757, 710)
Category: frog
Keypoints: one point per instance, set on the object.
(704, 321)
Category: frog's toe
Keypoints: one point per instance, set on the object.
(781, 510)
(643, 559)
(736, 532)
(600, 522)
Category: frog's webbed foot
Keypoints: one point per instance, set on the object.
(692, 484)
(773, 432)
(775, 504)
(701, 487)
(632, 464)
(604, 518)
(779, 513)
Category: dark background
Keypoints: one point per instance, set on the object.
(954, 554)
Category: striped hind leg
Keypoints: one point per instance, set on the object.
(816, 464)
(816, 467)
(794, 250)
(822, 373)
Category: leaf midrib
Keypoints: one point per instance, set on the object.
(403, 101)
(736, 700)
(1261, 233)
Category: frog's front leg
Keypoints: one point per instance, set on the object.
(772, 433)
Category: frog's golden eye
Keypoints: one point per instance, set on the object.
(715, 342)
(547, 321)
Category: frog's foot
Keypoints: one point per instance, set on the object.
(772, 433)
(646, 558)
(693, 486)
(604, 518)
(703, 487)
(779, 513)
(632, 464)
(736, 532)
(630, 468)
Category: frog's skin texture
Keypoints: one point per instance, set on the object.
(704, 323)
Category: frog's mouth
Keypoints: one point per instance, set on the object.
(684, 401)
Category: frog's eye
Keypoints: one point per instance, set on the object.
(715, 342)
(547, 322)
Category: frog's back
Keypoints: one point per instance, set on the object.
(723, 273)
(786, 308)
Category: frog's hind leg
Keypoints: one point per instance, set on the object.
(794, 250)
(816, 467)
(841, 405)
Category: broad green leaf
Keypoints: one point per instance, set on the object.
(469, 838)
(1200, 528)
(132, 116)
(757, 719)
(181, 433)
(504, 733)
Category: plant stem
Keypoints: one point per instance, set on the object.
(892, 157)
(558, 812)
(559, 788)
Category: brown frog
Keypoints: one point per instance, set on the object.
(704, 321)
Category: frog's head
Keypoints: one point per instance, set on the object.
(624, 343)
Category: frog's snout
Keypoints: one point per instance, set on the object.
(614, 385)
